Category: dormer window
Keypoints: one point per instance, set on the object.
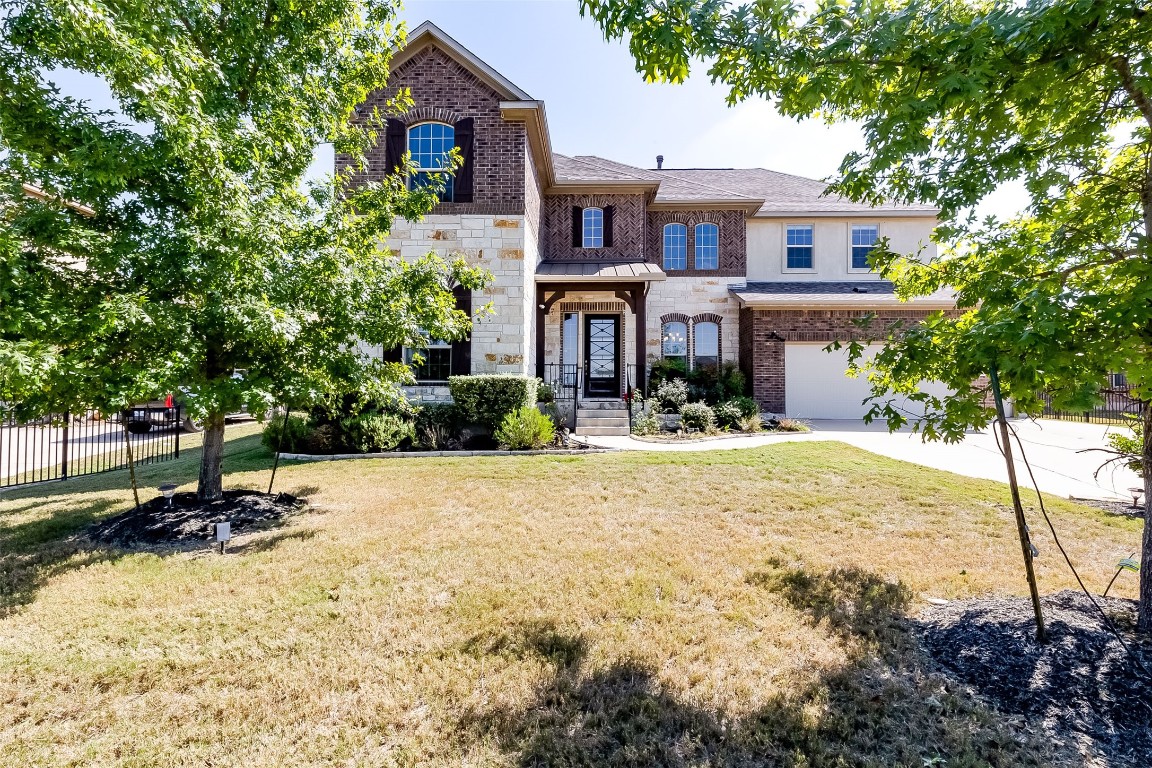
(430, 145)
(593, 228)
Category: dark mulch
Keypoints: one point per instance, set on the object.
(1124, 508)
(1081, 688)
(190, 520)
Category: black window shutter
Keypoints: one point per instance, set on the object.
(462, 350)
(394, 355)
(395, 144)
(608, 211)
(577, 226)
(462, 184)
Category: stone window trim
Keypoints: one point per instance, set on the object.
(429, 115)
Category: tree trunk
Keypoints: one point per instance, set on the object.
(211, 485)
(1144, 623)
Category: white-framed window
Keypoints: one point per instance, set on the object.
(707, 246)
(432, 362)
(675, 246)
(674, 341)
(430, 145)
(593, 228)
(798, 246)
(705, 344)
(864, 237)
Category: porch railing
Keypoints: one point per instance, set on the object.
(564, 381)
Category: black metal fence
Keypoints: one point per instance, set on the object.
(1118, 405)
(63, 445)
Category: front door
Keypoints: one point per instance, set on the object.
(602, 355)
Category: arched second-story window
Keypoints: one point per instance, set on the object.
(593, 228)
(706, 344)
(707, 246)
(675, 246)
(674, 342)
(430, 145)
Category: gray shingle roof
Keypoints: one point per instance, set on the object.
(592, 169)
(851, 293)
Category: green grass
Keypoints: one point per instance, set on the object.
(727, 608)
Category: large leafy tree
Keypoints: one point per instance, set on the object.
(199, 249)
(957, 98)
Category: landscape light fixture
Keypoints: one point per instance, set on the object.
(222, 533)
(169, 490)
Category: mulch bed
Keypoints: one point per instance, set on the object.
(1081, 688)
(189, 520)
(1123, 508)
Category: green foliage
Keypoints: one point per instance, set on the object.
(1129, 447)
(728, 414)
(716, 383)
(671, 395)
(665, 369)
(374, 432)
(525, 429)
(204, 250)
(437, 426)
(487, 399)
(697, 416)
(287, 437)
(644, 421)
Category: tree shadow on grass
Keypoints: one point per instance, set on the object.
(881, 707)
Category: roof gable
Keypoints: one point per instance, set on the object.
(428, 34)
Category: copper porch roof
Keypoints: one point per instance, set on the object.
(598, 272)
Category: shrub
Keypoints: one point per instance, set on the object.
(728, 414)
(672, 395)
(436, 425)
(697, 416)
(717, 383)
(666, 370)
(524, 429)
(295, 433)
(751, 423)
(487, 399)
(645, 423)
(544, 393)
(791, 425)
(748, 406)
(373, 431)
(1129, 448)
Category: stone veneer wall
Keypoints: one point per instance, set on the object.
(691, 297)
(764, 333)
(501, 342)
(444, 91)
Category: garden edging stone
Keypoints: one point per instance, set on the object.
(438, 454)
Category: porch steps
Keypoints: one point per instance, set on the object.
(601, 417)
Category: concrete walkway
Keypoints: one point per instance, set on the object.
(1053, 448)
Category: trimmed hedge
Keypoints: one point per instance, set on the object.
(486, 399)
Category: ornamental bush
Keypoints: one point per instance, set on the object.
(697, 416)
(671, 395)
(296, 431)
(525, 429)
(728, 414)
(373, 432)
(488, 398)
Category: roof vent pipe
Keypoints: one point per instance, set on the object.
(659, 162)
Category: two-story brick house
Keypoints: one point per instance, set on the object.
(600, 268)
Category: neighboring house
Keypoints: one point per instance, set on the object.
(601, 269)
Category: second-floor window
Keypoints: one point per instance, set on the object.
(798, 246)
(707, 246)
(430, 145)
(675, 246)
(864, 237)
(593, 228)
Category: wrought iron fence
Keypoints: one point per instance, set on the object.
(62, 445)
(1118, 406)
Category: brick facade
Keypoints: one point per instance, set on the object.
(733, 261)
(445, 91)
(764, 333)
(627, 228)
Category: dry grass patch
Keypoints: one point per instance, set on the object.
(730, 608)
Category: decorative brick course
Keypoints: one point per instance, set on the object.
(627, 228)
(733, 261)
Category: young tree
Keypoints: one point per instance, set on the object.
(205, 252)
(955, 99)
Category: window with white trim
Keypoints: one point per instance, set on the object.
(707, 246)
(431, 362)
(864, 237)
(593, 228)
(675, 246)
(430, 145)
(798, 246)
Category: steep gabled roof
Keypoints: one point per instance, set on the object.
(428, 34)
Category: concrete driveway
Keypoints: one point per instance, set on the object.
(1054, 449)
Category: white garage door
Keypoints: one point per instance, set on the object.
(816, 387)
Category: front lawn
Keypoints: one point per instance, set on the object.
(728, 608)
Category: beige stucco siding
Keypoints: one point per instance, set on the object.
(831, 245)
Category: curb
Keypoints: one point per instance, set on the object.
(439, 454)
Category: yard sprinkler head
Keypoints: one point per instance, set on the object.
(169, 490)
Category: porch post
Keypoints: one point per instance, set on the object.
(541, 315)
(639, 302)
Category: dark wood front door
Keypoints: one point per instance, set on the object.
(602, 355)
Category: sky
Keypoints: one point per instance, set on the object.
(597, 104)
